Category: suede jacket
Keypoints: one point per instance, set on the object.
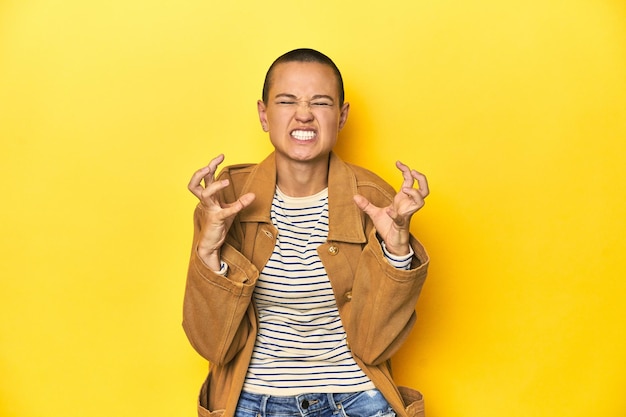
(376, 301)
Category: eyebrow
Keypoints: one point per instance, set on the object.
(315, 97)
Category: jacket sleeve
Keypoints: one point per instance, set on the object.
(214, 306)
(383, 302)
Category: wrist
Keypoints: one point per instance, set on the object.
(398, 250)
(398, 261)
(211, 259)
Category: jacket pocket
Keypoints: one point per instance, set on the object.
(203, 411)
(414, 401)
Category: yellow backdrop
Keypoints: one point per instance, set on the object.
(516, 110)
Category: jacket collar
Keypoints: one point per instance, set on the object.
(345, 222)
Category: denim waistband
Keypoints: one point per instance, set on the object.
(305, 403)
(313, 404)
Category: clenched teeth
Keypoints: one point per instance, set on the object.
(303, 134)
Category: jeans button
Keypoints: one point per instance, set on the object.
(304, 404)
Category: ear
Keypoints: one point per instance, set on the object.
(343, 116)
(261, 108)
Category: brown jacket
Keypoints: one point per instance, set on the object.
(376, 301)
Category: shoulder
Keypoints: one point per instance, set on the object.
(237, 170)
(237, 176)
(371, 185)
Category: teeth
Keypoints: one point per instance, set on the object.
(303, 134)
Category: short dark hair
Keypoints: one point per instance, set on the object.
(303, 55)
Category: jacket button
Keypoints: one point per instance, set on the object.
(333, 250)
(348, 296)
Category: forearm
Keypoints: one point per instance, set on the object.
(383, 302)
(214, 308)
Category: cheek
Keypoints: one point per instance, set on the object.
(331, 124)
(276, 119)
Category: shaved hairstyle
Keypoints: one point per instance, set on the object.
(303, 55)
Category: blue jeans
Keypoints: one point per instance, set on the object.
(357, 404)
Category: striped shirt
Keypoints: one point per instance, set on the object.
(301, 343)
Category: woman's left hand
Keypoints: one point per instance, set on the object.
(393, 222)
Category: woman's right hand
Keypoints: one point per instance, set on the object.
(218, 217)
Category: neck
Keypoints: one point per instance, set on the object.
(302, 179)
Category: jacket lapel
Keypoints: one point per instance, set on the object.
(346, 220)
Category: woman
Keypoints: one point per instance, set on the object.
(303, 275)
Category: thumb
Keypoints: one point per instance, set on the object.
(364, 204)
(241, 203)
(247, 199)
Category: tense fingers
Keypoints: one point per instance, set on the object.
(410, 176)
(195, 184)
(207, 174)
(406, 174)
(422, 183)
(213, 167)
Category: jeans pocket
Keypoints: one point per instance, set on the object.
(369, 403)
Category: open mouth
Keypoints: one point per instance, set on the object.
(303, 134)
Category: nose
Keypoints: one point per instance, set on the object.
(303, 112)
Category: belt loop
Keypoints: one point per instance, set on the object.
(263, 406)
(333, 403)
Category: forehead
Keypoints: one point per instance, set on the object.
(302, 78)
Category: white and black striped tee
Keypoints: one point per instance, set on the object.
(301, 343)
